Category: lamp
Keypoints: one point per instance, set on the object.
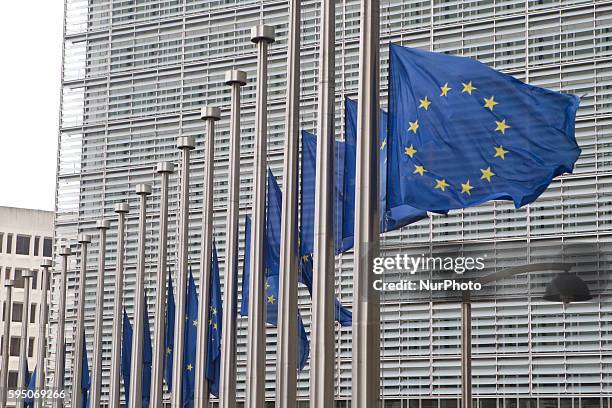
(566, 288)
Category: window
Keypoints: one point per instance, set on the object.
(48, 247)
(36, 245)
(4, 310)
(34, 279)
(12, 379)
(14, 346)
(31, 347)
(9, 243)
(23, 245)
(17, 312)
(7, 272)
(19, 279)
(33, 313)
(1, 241)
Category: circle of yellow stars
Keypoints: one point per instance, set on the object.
(499, 151)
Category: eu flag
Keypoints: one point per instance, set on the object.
(215, 321)
(85, 379)
(190, 340)
(147, 358)
(391, 219)
(126, 357)
(461, 133)
(272, 256)
(29, 399)
(169, 334)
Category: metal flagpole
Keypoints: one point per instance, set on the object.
(322, 363)
(164, 169)
(60, 339)
(366, 300)
(22, 375)
(96, 378)
(210, 115)
(77, 372)
(185, 144)
(262, 35)
(286, 352)
(8, 306)
(466, 351)
(42, 333)
(227, 390)
(143, 190)
(115, 374)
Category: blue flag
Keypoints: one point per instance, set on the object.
(391, 219)
(215, 323)
(272, 257)
(461, 133)
(85, 379)
(126, 357)
(169, 334)
(29, 399)
(190, 340)
(147, 358)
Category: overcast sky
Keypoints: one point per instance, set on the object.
(31, 50)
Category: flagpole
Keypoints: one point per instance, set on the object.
(22, 375)
(262, 35)
(185, 144)
(41, 349)
(60, 339)
(143, 190)
(210, 115)
(164, 169)
(8, 285)
(322, 363)
(96, 378)
(286, 352)
(366, 300)
(77, 372)
(227, 389)
(114, 399)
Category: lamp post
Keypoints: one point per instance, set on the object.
(564, 288)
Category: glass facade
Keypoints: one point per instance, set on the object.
(136, 72)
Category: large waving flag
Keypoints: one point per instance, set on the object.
(215, 323)
(191, 335)
(391, 219)
(461, 133)
(169, 335)
(272, 256)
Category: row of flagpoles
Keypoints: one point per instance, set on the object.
(366, 320)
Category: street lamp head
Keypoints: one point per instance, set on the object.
(567, 288)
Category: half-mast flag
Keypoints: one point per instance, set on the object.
(85, 379)
(191, 335)
(126, 357)
(461, 133)
(169, 335)
(29, 399)
(126, 354)
(215, 323)
(147, 357)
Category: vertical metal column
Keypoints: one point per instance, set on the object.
(77, 372)
(286, 352)
(210, 115)
(185, 144)
(164, 169)
(466, 351)
(22, 374)
(96, 377)
(227, 389)
(8, 306)
(366, 300)
(322, 363)
(60, 338)
(43, 314)
(115, 375)
(143, 190)
(262, 35)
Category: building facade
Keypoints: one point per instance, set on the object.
(136, 73)
(25, 239)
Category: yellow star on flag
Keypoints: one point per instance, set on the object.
(410, 151)
(195, 322)
(189, 367)
(383, 144)
(168, 350)
(500, 152)
(441, 184)
(502, 126)
(466, 187)
(419, 170)
(413, 126)
(215, 326)
(490, 103)
(209, 322)
(214, 311)
(267, 285)
(424, 103)
(305, 258)
(486, 174)
(468, 87)
(271, 299)
(445, 89)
